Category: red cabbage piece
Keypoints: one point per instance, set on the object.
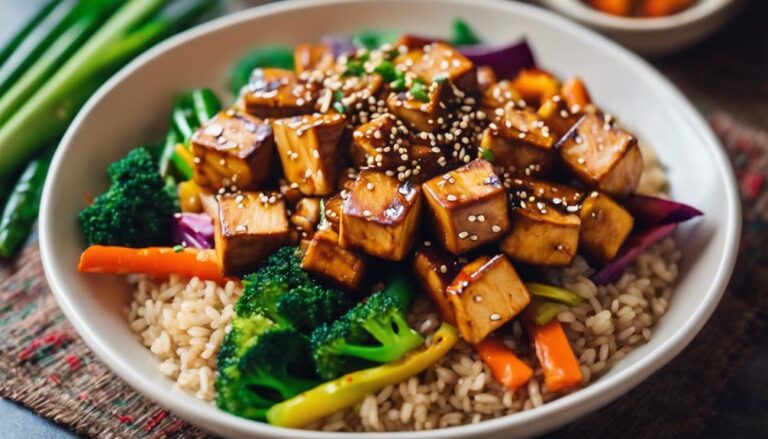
(505, 60)
(651, 211)
(634, 247)
(338, 44)
(193, 230)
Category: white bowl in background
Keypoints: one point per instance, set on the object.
(653, 36)
(133, 106)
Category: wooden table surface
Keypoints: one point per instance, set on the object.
(728, 72)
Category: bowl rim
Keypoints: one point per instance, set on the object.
(575, 404)
(578, 10)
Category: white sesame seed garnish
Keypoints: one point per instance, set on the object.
(495, 317)
(451, 197)
(463, 235)
(443, 269)
(496, 228)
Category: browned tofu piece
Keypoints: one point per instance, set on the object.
(249, 227)
(561, 196)
(486, 78)
(542, 235)
(327, 260)
(277, 93)
(418, 114)
(468, 206)
(306, 216)
(520, 141)
(602, 155)
(290, 191)
(605, 226)
(437, 61)
(379, 144)
(309, 150)
(499, 95)
(434, 269)
(486, 294)
(308, 57)
(424, 162)
(558, 117)
(232, 149)
(333, 207)
(347, 178)
(411, 41)
(380, 216)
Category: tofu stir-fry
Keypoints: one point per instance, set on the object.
(363, 180)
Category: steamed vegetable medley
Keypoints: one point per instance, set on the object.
(352, 177)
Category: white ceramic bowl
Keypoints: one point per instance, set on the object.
(133, 108)
(653, 36)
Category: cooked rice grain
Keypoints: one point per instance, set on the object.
(183, 323)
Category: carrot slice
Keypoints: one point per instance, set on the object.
(575, 93)
(155, 261)
(614, 7)
(535, 85)
(561, 368)
(505, 366)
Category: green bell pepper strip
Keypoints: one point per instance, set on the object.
(542, 312)
(23, 205)
(349, 389)
(553, 293)
(205, 103)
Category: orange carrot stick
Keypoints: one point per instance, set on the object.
(505, 366)
(561, 368)
(575, 93)
(535, 85)
(156, 261)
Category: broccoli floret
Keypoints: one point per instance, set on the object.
(286, 294)
(372, 332)
(260, 364)
(136, 211)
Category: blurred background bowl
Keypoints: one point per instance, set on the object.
(653, 36)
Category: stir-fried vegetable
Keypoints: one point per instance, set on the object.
(136, 211)
(193, 230)
(505, 366)
(542, 312)
(347, 390)
(556, 357)
(156, 261)
(373, 331)
(632, 249)
(21, 209)
(551, 292)
(462, 34)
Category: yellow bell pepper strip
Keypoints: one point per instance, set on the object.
(349, 389)
(561, 368)
(553, 293)
(156, 261)
(505, 366)
(189, 196)
(183, 161)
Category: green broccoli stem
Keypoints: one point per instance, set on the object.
(394, 334)
(400, 287)
(279, 380)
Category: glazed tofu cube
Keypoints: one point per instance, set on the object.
(249, 227)
(542, 235)
(437, 61)
(434, 269)
(520, 142)
(290, 191)
(306, 216)
(486, 294)
(375, 144)
(232, 149)
(500, 95)
(558, 117)
(561, 196)
(422, 115)
(308, 57)
(327, 260)
(380, 216)
(425, 162)
(468, 206)
(309, 150)
(333, 207)
(486, 78)
(276, 93)
(602, 155)
(605, 226)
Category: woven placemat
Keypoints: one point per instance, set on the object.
(46, 367)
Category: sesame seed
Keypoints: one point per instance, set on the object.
(481, 218)
(496, 228)
(495, 317)
(443, 269)
(472, 218)
(477, 299)
(451, 197)
(474, 237)
(370, 186)
(463, 235)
